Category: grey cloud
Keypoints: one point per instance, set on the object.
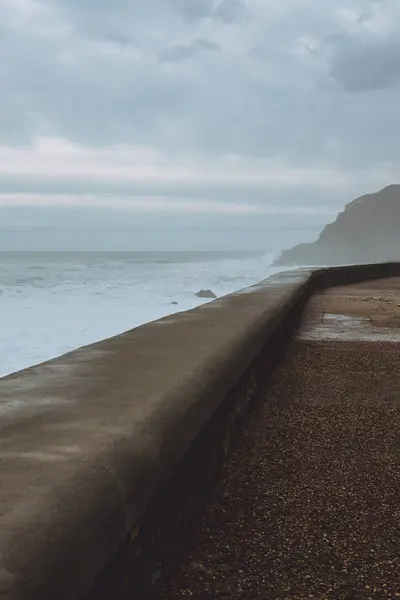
(224, 10)
(108, 81)
(122, 18)
(90, 14)
(196, 9)
(206, 45)
(230, 11)
(256, 194)
(180, 52)
(367, 66)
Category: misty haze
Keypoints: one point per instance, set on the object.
(149, 150)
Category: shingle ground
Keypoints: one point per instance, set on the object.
(309, 504)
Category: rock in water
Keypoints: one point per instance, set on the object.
(205, 294)
(367, 231)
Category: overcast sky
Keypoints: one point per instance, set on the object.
(195, 113)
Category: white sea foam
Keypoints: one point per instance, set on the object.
(53, 303)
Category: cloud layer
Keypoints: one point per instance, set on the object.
(200, 94)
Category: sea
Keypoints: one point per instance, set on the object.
(54, 302)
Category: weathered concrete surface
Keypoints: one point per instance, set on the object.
(367, 311)
(86, 439)
(308, 506)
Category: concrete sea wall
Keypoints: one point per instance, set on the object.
(107, 453)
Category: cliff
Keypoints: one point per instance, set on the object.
(366, 231)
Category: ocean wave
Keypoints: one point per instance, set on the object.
(78, 301)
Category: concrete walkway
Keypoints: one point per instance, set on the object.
(309, 505)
